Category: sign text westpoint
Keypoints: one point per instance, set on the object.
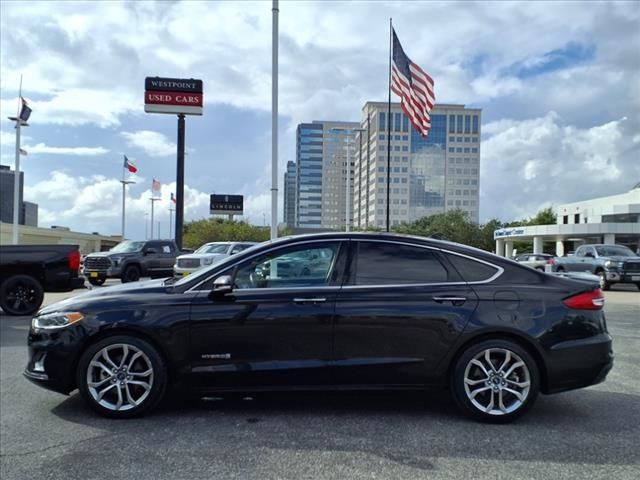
(173, 95)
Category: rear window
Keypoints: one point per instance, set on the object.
(471, 270)
(380, 263)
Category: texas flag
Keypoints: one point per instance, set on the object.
(173, 198)
(128, 164)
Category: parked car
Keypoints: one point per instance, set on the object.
(27, 271)
(536, 260)
(206, 255)
(612, 263)
(130, 260)
(385, 312)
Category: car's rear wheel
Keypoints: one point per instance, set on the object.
(122, 377)
(96, 281)
(130, 274)
(21, 295)
(495, 381)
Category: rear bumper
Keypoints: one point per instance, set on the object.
(578, 363)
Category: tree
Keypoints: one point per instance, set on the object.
(452, 225)
(199, 232)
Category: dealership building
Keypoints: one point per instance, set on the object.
(611, 220)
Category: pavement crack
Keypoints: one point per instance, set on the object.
(57, 445)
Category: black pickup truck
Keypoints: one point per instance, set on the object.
(130, 260)
(27, 271)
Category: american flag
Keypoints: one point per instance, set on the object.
(25, 111)
(155, 187)
(414, 87)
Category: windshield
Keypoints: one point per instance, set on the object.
(614, 251)
(127, 246)
(213, 248)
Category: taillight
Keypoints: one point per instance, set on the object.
(74, 260)
(593, 300)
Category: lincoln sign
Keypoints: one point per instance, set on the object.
(173, 95)
(226, 204)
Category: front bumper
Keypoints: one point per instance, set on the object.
(53, 356)
(578, 363)
(102, 274)
(622, 277)
(183, 271)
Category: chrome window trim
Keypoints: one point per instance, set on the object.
(499, 270)
(231, 267)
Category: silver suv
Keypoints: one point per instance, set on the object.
(206, 255)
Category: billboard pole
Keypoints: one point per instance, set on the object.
(180, 182)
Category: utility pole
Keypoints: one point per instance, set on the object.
(17, 206)
(274, 123)
(124, 196)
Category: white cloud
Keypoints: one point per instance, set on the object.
(538, 162)
(82, 151)
(94, 203)
(154, 144)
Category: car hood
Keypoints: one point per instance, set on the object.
(202, 255)
(621, 258)
(104, 294)
(111, 254)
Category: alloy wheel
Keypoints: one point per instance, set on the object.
(120, 377)
(497, 381)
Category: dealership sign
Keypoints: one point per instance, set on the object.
(226, 204)
(508, 232)
(173, 95)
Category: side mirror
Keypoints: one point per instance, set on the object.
(222, 286)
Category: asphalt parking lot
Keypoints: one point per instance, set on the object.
(589, 433)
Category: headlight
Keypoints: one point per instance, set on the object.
(56, 320)
(207, 261)
(613, 264)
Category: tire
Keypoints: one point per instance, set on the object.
(96, 281)
(560, 269)
(21, 295)
(540, 269)
(505, 357)
(130, 274)
(108, 369)
(604, 285)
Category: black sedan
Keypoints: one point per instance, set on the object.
(384, 312)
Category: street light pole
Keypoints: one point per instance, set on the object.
(153, 200)
(124, 196)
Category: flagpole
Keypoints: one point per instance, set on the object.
(16, 177)
(153, 200)
(274, 121)
(389, 124)
(170, 221)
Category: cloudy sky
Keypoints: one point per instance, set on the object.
(557, 82)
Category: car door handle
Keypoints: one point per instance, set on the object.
(453, 300)
(309, 300)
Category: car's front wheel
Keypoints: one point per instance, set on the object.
(130, 274)
(122, 377)
(495, 381)
(604, 285)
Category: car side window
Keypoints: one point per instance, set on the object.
(580, 252)
(381, 263)
(300, 266)
(166, 248)
(471, 270)
(237, 249)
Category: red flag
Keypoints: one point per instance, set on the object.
(173, 198)
(128, 164)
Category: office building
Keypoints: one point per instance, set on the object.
(321, 157)
(28, 211)
(428, 175)
(290, 182)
